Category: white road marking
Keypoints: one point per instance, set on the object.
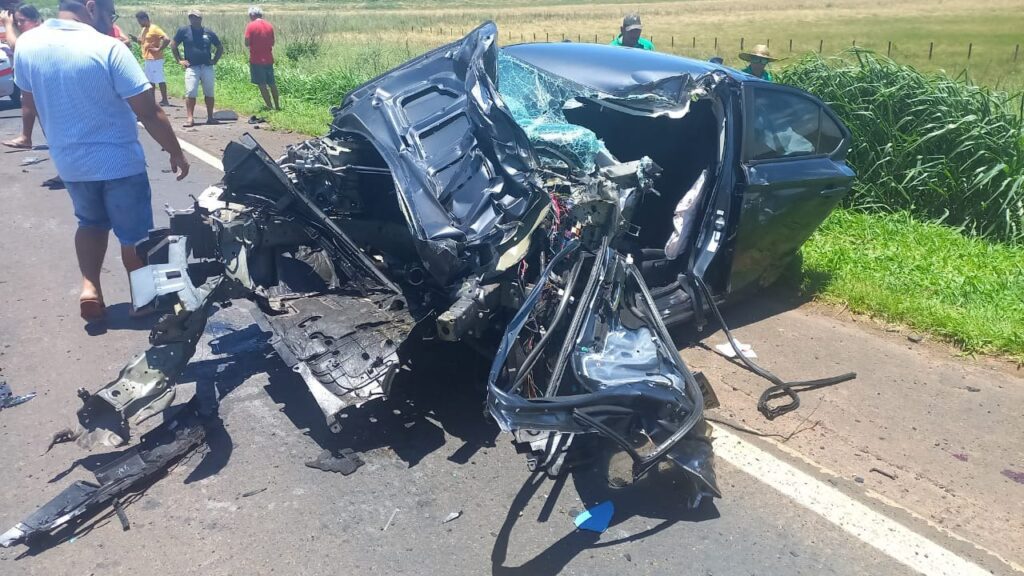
(201, 154)
(198, 152)
(887, 535)
(873, 528)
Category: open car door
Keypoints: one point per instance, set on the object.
(795, 171)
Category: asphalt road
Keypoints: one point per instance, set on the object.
(428, 451)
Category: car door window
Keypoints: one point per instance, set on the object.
(787, 125)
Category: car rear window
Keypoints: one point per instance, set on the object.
(787, 125)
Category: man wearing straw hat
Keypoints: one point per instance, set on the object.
(629, 34)
(758, 58)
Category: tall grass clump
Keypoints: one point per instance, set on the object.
(936, 147)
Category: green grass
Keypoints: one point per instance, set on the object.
(308, 88)
(936, 147)
(965, 290)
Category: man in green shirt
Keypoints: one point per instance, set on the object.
(629, 34)
(759, 58)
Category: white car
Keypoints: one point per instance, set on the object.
(7, 87)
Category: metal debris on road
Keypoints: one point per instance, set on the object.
(8, 399)
(451, 517)
(158, 449)
(346, 462)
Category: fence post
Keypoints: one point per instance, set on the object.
(790, 44)
(716, 44)
(673, 41)
(1015, 51)
(563, 36)
(741, 43)
(695, 42)
(970, 48)
(547, 37)
(579, 38)
(534, 36)
(821, 44)
(888, 51)
(595, 38)
(931, 45)
(768, 43)
(854, 43)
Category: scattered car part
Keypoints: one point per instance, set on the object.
(157, 450)
(9, 400)
(346, 461)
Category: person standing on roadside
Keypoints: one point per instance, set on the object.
(259, 39)
(88, 91)
(198, 63)
(25, 18)
(759, 58)
(629, 34)
(152, 42)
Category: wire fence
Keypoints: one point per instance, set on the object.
(714, 44)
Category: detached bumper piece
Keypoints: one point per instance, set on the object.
(617, 373)
(158, 450)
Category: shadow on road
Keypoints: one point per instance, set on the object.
(118, 317)
(788, 293)
(414, 419)
(656, 496)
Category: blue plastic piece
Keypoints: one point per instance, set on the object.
(597, 518)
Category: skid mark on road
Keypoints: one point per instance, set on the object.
(869, 526)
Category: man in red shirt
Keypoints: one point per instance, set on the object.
(259, 38)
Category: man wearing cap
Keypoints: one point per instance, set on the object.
(198, 63)
(259, 39)
(758, 58)
(629, 35)
(88, 91)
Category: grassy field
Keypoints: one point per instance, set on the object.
(925, 275)
(994, 27)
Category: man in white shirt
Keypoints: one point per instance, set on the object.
(92, 135)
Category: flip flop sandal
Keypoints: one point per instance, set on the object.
(92, 309)
(11, 144)
(54, 183)
(189, 125)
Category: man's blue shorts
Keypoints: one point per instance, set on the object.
(123, 204)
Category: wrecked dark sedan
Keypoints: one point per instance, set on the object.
(551, 206)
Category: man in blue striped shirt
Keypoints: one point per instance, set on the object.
(88, 90)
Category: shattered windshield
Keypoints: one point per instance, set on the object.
(536, 100)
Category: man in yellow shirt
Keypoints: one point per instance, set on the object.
(153, 41)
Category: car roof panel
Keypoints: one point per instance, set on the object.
(613, 69)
